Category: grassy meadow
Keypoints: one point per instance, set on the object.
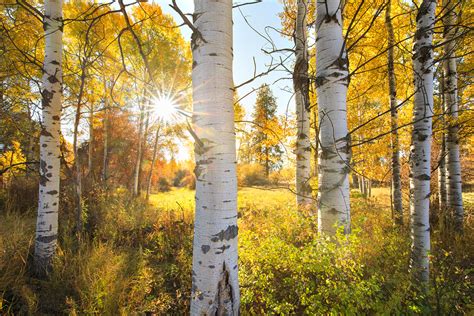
(137, 260)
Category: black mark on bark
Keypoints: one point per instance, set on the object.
(230, 233)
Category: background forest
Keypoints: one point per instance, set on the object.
(106, 107)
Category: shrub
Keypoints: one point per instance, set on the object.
(184, 179)
(179, 176)
(136, 259)
(251, 174)
(163, 185)
(189, 181)
(283, 176)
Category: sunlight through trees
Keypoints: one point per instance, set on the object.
(225, 157)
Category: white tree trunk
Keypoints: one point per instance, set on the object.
(334, 151)
(421, 141)
(301, 87)
(396, 178)
(453, 162)
(215, 286)
(48, 203)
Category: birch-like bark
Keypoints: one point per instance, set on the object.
(215, 286)
(153, 159)
(334, 151)
(396, 178)
(442, 192)
(453, 162)
(301, 87)
(51, 91)
(421, 141)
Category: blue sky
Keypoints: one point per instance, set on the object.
(248, 45)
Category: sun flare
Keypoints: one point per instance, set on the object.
(165, 108)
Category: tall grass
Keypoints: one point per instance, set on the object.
(136, 259)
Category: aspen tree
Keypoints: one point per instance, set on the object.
(51, 91)
(301, 87)
(396, 178)
(334, 150)
(453, 162)
(215, 287)
(442, 192)
(421, 140)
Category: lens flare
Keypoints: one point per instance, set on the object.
(165, 108)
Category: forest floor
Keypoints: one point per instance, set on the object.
(136, 258)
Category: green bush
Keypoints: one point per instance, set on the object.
(322, 277)
(136, 259)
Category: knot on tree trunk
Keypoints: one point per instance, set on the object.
(224, 300)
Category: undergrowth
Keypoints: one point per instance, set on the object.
(136, 258)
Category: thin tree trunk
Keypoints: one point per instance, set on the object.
(77, 160)
(105, 160)
(215, 285)
(355, 181)
(453, 162)
(396, 178)
(442, 155)
(267, 162)
(29, 142)
(91, 142)
(136, 188)
(48, 202)
(2, 90)
(301, 87)
(153, 159)
(421, 141)
(364, 187)
(144, 144)
(316, 144)
(334, 152)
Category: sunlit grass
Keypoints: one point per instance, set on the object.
(468, 198)
(139, 259)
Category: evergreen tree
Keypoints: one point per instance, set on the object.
(267, 130)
